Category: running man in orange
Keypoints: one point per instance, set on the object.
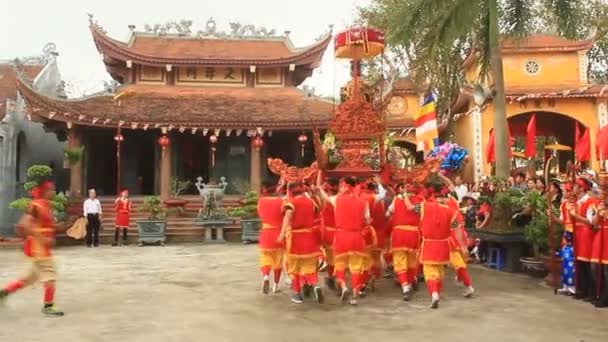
(270, 212)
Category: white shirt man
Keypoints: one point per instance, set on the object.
(92, 211)
(92, 206)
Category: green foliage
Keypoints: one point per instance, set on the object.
(73, 155)
(537, 230)
(39, 173)
(153, 205)
(179, 186)
(249, 209)
(36, 174)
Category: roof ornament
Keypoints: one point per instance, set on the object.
(210, 30)
(239, 31)
(182, 28)
(49, 54)
(95, 24)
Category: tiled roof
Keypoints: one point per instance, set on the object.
(8, 76)
(187, 107)
(145, 48)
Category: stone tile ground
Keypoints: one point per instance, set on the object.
(211, 293)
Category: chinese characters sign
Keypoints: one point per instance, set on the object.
(210, 75)
(150, 74)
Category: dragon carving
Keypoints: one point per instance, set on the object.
(418, 173)
(291, 173)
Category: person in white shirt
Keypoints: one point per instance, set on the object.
(460, 189)
(92, 211)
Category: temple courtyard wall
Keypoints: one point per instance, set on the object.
(197, 292)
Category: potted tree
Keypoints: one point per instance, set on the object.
(177, 188)
(73, 155)
(153, 230)
(248, 214)
(36, 174)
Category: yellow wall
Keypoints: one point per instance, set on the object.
(464, 137)
(557, 69)
(582, 109)
(413, 104)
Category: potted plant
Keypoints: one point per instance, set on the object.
(153, 230)
(73, 155)
(248, 214)
(36, 174)
(177, 188)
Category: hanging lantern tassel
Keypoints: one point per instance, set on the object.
(213, 140)
(302, 139)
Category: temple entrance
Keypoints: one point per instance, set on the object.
(192, 158)
(551, 128)
(137, 162)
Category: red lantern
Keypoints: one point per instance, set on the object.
(118, 137)
(302, 139)
(164, 141)
(258, 143)
(213, 139)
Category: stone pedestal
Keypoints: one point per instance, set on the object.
(209, 226)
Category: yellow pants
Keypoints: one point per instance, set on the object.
(42, 270)
(330, 259)
(433, 272)
(274, 259)
(297, 266)
(456, 260)
(404, 260)
(354, 262)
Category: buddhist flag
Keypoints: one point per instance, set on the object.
(531, 138)
(427, 135)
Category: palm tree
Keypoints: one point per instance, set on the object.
(435, 27)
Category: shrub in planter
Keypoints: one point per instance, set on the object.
(177, 188)
(153, 230)
(36, 175)
(248, 213)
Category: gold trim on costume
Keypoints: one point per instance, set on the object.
(406, 227)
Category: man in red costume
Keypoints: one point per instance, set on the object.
(458, 248)
(436, 223)
(270, 212)
(328, 231)
(375, 235)
(351, 216)
(599, 254)
(302, 242)
(405, 238)
(39, 227)
(582, 215)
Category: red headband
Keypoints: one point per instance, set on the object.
(38, 191)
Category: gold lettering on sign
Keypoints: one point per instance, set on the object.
(269, 76)
(150, 74)
(210, 75)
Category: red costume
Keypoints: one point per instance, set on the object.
(270, 212)
(328, 231)
(123, 208)
(457, 259)
(599, 252)
(405, 240)
(583, 233)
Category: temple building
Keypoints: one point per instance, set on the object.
(225, 101)
(22, 142)
(544, 75)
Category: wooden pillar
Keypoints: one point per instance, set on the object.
(165, 172)
(255, 176)
(75, 141)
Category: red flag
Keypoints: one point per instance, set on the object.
(490, 152)
(601, 143)
(583, 146)
(531, 138)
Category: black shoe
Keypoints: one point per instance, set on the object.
(330, 283)
(601, 304)
(96, 245)
(297, 298)
(266, 286)
(318, 295)
(307, 291)
(89, 246)
(415, 286)
(3, 295)
(114, 244)
(588, 299)
(51, 311)
(579, 295)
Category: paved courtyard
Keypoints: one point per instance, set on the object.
(211, 293)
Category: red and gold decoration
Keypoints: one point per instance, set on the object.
(258, 142)
(359, 43)
(289, 174)
(213, 140)
(302, 139)
(164, 142)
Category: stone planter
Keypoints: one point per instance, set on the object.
(152, 232)
(512, 243)
(213, 230)
(534, 267)
(250, 230)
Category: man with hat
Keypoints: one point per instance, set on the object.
(405, 237)
(302, 244)
(270, 212)
(436, 223)
(38, 222)
(582, 214)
